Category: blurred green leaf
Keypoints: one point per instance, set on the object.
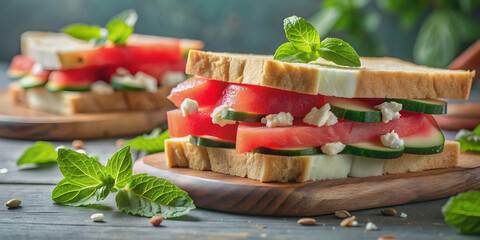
(437, 43)
(129, 17)
(82, 31)
(409, 11)
(152, 143)
(324, 20)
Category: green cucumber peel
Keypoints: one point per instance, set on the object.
(373, 149)
(242, 116)
(288, 152)
(205, 142)
(426, 106)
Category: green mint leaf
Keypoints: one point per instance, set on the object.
(80, 168)
(288, 53)
(151, 196)
(77, 194)
(339, 52)
(120, 167)
(463, 212)
(301, 33)
(469, 140)
(118, 32)
(82, 31)
(39, 153)
(129, 17)
(152, 143)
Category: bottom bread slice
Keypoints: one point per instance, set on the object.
(272, 168)
(65, 102)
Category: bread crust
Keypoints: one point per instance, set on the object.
(88, 102)
(271, 168)
(377, 78)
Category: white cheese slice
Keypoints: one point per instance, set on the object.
(329, 167)
(338, 82)
(366, 167)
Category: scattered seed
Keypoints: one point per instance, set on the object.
(77, 144)
(386, 237)
(306, 221)
(120, 143)
(249, 221)
(13, 203)
(389, 211)
(263, 235)
(342, 214)
(97, 217)
(403, 215)
(4, 170)
(371, 226)
(264, 227)
(156, 220)
(349, 222)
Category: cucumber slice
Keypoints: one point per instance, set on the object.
(373, 149)
(30, 81)
(427, 106)
(54, 88)
(423, 144)
(242, 116)
(288, 151)
(354, 110)
(119, 84)
(206, 142)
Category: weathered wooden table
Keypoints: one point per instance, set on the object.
(40, 218)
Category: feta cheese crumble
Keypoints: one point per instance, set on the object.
(392, 140)
(390, 110)
(101, 88)
(171, 79)
(320, 117)
(97, 217)
(282, 119)
(370, 226)
(140, 79)
(188, 107)
(333, 148)
(403, 215)
(217, 116)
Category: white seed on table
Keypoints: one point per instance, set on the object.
(403, 215)
(4, 170)
(97, 217)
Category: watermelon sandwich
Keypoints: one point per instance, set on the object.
(89, 69)
(273, 121)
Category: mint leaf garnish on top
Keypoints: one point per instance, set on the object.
(149, 196)
(117, 30)
(463, 212)
(87, 181)
(305, 45)
(39, 153)
(469, 140)
(152, 143)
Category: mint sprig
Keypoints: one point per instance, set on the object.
(87, 181)
(305, 45)
(148, 196)
(463, 212)
(39, 153)
(117, 30)
(469, 140)
(152, 143)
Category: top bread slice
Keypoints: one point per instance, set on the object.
(56, 51)
(376, 78)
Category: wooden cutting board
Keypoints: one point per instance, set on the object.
(227, 193)
(23, 123)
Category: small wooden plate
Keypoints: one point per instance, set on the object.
(23, 123)
(227, 193)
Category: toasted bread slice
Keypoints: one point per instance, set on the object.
(271, 168)
(66, 103)
(377, 78)
(55, 51)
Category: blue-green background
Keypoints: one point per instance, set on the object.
(247, 26)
